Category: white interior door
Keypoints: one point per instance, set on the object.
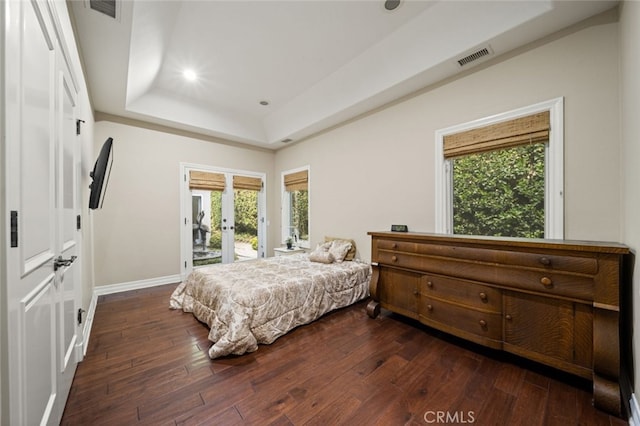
(41, 180)
(68, 266)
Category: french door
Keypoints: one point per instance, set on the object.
(223, 217)
(42, 169)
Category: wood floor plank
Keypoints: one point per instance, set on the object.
(149, 365)
(530, 406)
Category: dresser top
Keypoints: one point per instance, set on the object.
(504, 242)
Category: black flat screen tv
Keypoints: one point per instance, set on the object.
(100, 175)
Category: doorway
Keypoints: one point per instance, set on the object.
(223, 216)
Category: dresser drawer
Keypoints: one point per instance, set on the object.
(461, 292)
(451, 317)
(553, 284)
(573, 285)
(544, 261)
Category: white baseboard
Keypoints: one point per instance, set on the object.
(86, 331)
(634, 420)
(136, 285)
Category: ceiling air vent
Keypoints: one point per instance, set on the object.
(107, 7)
(472, 57)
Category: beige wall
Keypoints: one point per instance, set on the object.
(137, 232)
(378, 170)
(630, 106)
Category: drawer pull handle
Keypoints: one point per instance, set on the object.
(545, 261)
(508, 317)
(394, 245)
(429, 284)
(483, 296)
(429, 308)
(394, 258)
(416, 292)
(483, 323)
(546, 281)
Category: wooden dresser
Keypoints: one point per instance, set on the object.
(555, 302)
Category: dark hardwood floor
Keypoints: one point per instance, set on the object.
(147, 364)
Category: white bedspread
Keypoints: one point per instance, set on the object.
(251, 302)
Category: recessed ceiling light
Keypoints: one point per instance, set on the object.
(264, 103)
(391, 4)
(190, 75)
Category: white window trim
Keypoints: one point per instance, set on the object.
(284, 206)
(554, 167)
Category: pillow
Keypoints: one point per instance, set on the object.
(339, 249)
(321, 257)
(321, 254)
(323, 247)
(352, 252)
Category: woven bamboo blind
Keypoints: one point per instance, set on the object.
(520, 131)
(246, 182)
(297, 181)
(206, 181)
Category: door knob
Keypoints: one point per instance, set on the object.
(59, 262)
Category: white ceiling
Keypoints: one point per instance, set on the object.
(317, 62)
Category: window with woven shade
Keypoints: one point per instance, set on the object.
(247, 182)
(227, 209)
(297, 181)
(206, 181)
(526, 130)
(295, 206)
(502, 176)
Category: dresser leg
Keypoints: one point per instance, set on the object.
(606, 395)
(606, 360)
(373, 309)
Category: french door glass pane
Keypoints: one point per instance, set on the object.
(246, 224)
(206, 219)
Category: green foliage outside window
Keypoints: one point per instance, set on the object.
(500, 193)
(246, 211)
(299, 213)
(245, 216)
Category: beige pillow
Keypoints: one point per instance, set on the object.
(339, 249)
(352, 251)
(321, 257)
(323, 246)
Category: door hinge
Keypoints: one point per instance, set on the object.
(78, 222)
(80, 312)
(185, 263)
(78, 126)
(14, 228)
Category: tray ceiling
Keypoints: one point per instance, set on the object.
(314, 64)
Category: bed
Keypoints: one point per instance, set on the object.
(255, 302)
